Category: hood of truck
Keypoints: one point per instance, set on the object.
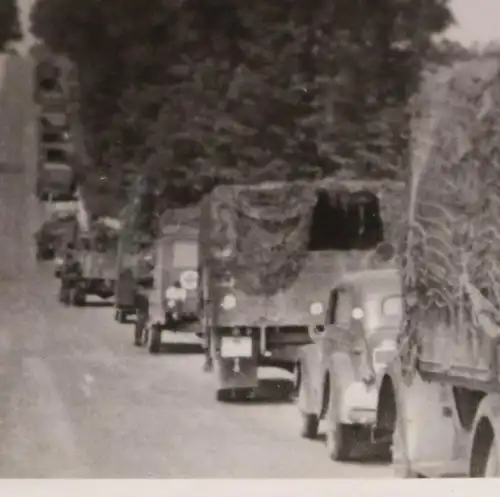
(320, 273)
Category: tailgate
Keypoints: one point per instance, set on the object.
(99, 266)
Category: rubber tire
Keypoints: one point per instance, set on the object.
(310, 426)
(63, 297)
(140, 335)
(77, 297)
(339, 442)
(155, 342)
(492, 460)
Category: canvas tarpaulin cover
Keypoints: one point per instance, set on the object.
(452, 259)
(260, 233)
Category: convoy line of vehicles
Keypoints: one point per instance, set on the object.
(381, 296)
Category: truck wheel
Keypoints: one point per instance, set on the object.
(139, 332)
(77, 297)
(155, 343)
(485, 453)
(120, 316)
(339, 441)
(64, 295)
(297, 380)
(492, 469)
(310, 426)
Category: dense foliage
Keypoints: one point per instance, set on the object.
(10, 27)
(197, 93)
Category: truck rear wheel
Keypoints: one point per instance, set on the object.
(339, 441)
(485, 457)
(492, 470)
(120, 316)
(310, 426)
(77, 296)
(155, 343)
(141, 334)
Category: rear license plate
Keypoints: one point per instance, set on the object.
(236, 347)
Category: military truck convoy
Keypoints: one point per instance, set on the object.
(419, 356)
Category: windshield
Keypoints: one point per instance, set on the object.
(383, 311)
(185, 254)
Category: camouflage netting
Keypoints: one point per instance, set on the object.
(452, 259)
(261, 233)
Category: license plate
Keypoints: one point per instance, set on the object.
(236, 347)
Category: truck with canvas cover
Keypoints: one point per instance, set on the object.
(440, 400)
(56, 181)
(95, 254)
(270, 255)
(176, 264)
(53, 235)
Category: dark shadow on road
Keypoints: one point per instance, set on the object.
(180, 348)
(269, 391)
(98, 304)
(363, 453)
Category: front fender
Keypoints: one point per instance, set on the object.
(359, 404)
(347, 392)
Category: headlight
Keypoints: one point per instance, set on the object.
(189, 280)
(316, 308)
(357, 314)
(228, 302)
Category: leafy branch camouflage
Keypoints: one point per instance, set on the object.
(452, 263)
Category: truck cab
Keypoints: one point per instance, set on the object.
(176, 261)
(339, 373)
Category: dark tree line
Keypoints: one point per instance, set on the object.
(199, 92)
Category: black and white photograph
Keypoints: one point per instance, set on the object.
(249, 239)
